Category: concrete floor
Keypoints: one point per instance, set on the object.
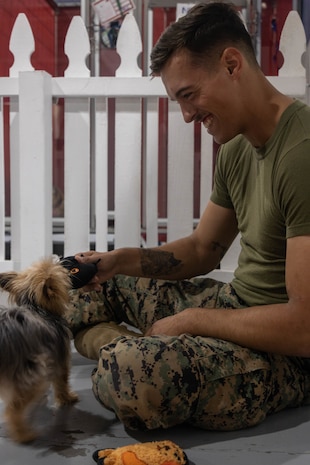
(71, 435)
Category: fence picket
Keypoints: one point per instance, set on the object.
(77, 149)
(128, 127)
(151, 172)
(206, 168)
(101, 174)
(292, 45)
(77, 176)
(77, 48)
(180, 175)
(129, 47)
(21, 45)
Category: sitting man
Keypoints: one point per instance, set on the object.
(219, 356)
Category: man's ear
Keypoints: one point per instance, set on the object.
(232, 60)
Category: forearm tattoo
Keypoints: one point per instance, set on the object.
(157, 263)
(216, 246)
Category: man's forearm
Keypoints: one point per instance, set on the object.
(177, 260)
(159, 263)
(149, 263)
(270, 328)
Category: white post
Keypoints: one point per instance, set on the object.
(151, 172)
(101, 174)
(34, 174)
(180, 175)
(128, 127)
(77, 145)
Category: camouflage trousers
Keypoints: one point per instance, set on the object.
(161, 381)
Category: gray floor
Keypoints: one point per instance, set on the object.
(71, 435)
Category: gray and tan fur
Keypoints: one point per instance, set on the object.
(34, 343)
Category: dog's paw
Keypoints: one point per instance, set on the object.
(25, 436)
(67, 398)
(73, 397)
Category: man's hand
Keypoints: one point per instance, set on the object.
(173, 325)
(105, 263)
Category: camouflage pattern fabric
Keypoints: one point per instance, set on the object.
(161, 381)
(142, 301)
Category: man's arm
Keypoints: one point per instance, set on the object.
(278, 328)
(190, 256)
(196, 254)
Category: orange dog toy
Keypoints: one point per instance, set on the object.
(148, 453)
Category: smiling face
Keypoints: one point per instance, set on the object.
(207, 96)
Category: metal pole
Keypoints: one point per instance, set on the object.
(84, 11)
(258, 30)
(94, 65)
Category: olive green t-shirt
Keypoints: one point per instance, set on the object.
(269, 189)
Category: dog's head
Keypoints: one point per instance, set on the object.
(45, 284)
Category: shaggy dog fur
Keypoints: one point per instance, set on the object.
(34, 343)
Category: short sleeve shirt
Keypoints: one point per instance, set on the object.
(269, 189)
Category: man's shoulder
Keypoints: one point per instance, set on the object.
(300, 111)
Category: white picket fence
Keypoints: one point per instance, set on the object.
(31, 94)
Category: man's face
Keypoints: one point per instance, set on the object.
(204, 96)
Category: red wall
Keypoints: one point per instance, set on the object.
(49, 26)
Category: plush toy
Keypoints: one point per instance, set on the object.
(147, 453)
(80, 273)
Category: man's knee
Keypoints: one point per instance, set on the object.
(85, 309)
(149, 381)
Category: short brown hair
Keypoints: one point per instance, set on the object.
(205, 31)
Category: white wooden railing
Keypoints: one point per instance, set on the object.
(31, 94)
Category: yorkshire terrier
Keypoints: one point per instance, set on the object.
(34, 343)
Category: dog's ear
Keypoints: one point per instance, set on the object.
(6, 280)
(54, 294)
(50, 288)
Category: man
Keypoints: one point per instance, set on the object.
(218, 356)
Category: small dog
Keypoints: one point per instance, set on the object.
(34, 343)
